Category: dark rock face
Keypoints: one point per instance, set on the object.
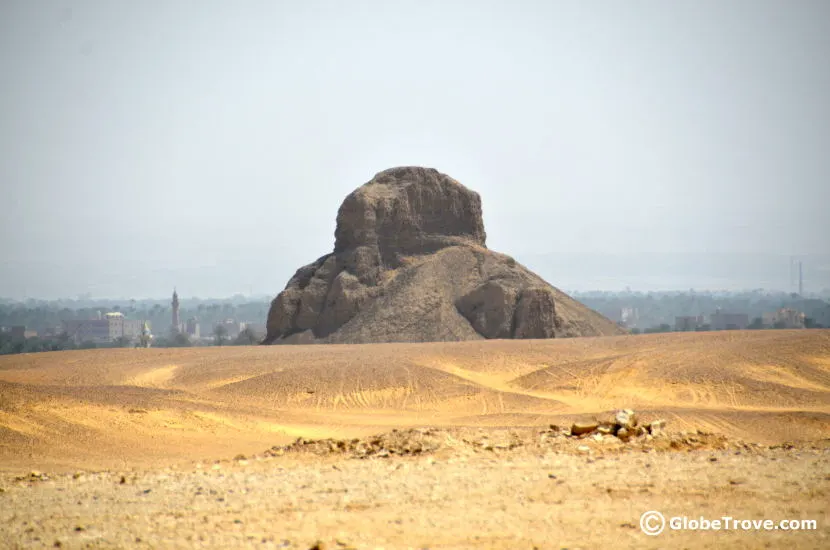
(489, 308)
(408, 211)
(410, 265)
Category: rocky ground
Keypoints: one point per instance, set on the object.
(430, 488)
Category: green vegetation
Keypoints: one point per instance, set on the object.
(220, 334)
(662, 328)
(655, 313)
(47, 319)
(246, 337)
(12, 345)
(43, 316)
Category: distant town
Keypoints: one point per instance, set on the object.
(53, 326)
(702, 310)
(84, 323)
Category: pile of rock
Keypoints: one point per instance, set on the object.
(625, 426)
(621, 433)
(396, 442)
(34, 475)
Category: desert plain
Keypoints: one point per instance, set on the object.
(266, 446)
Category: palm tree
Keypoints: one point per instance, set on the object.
(220, 334)
(247, 337)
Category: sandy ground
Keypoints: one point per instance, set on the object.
(485, 499)
(161, 419)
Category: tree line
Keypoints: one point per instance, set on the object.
(63, 342)
(656, 311)
(50, 316)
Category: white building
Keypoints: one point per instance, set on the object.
(784, 318)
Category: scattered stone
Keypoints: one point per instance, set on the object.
(585, 427)
(657, 427)
(625, 418)
(426, 441)
(34, 475)
(625, 426)
(398, 442)
(583, 449)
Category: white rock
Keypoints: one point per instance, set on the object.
(626, 418)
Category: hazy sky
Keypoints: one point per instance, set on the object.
(208, 144)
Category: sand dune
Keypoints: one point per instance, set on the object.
(144, 405)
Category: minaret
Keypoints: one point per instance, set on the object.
(175, 326)
(800, 280)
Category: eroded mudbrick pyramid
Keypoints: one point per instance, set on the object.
(410, 264)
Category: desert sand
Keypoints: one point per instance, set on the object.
(182, 447)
